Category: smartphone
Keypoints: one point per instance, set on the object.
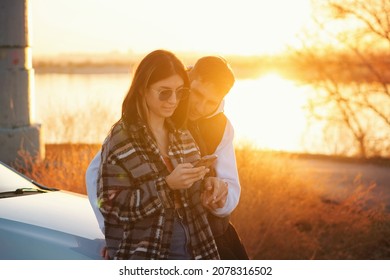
(206, 161)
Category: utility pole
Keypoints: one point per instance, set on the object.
(17, 128)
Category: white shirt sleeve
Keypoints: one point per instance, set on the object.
(91, 180)
(226, 169)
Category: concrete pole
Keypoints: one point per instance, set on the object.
(17, 128)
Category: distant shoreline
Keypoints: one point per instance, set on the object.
(290, 66)
(241, 72)
(104, 69)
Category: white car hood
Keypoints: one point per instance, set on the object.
(58, 210)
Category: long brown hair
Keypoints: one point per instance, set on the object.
(156, 66)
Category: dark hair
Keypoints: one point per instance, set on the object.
(215, 70)
(154, 67)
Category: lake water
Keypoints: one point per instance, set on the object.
(268, 112)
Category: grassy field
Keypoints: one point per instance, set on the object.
(280, 215)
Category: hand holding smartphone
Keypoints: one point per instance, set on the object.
(206, 161)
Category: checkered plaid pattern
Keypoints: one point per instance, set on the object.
(137, 203)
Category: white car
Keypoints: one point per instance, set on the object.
(41, 223)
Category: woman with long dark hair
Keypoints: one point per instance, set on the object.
(148, 189)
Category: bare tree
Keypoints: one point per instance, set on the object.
(348, 54)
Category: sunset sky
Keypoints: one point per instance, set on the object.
(243, 27)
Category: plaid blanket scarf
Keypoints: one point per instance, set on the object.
(137, 203)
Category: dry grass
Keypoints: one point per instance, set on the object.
(283, 216)
(280, 215)
(64, 166)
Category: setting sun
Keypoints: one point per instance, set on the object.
(273, 117)
(170, 125)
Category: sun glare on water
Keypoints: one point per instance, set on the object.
(268, 112)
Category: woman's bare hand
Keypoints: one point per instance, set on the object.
(185, 175)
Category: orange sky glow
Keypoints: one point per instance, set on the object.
(245, 27)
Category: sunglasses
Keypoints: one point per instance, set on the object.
(165, 94)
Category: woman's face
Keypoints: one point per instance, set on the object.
(163, 96)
